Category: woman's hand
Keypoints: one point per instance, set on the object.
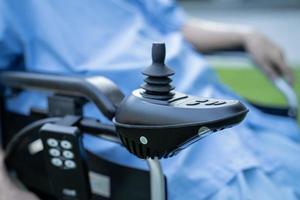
(267, 56)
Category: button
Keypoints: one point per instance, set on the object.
(70, 164)
(178, 98)
(202, 100)
(68, 154)
(54, 152)
(66, 144)
(52, 142)
(211, 103)
(219, 103)
(56, 162)
(192, 103)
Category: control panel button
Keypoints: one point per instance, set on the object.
(70, 164)
(52, 142)
(178, 98)
(56, 162)
(66, 144)
(211, 103)
(68, 154)
(202, 100)
(54, 152)
(192, 103)
(219, 103)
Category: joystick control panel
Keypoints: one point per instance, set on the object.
(158, 121)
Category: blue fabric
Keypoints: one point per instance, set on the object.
(255, 160)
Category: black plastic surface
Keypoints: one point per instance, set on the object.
(170, 124)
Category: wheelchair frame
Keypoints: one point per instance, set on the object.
(106, 96)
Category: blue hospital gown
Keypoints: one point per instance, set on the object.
(259, 159)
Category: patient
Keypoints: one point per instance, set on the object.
(255, 160)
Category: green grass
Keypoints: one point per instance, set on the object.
(252, 84)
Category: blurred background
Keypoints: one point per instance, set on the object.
(279, 19)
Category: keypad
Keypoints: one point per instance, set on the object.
(194, 102)
(61, 153)
(205, 102)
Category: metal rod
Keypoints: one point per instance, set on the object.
(100, 94)
(157, 180)
(289, 94)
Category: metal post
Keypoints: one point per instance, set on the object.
(289, 94)
(157, 180)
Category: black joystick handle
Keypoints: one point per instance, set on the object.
(157, 84)
(158, 52)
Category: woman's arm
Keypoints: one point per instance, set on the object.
(211, 36)
(208, 37)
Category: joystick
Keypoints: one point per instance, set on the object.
(157, 121)
(157, 84)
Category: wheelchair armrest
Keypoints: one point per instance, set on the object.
(100, 90)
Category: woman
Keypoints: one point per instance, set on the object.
(113, 38)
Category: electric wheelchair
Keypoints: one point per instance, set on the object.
(45, 151)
